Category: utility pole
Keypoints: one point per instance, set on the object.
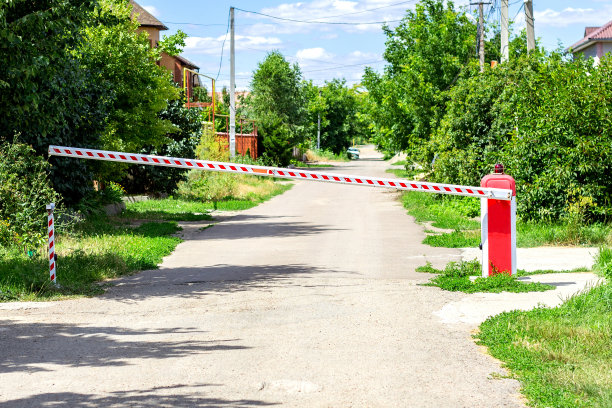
(319, 127)
(232, 130)
(529, 24)
(481, 39)
(504, 31)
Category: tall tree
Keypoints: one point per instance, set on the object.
(279, 106)
(425, 52)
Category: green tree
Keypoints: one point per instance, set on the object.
(279, 106)
(47, 95)
(426, 52)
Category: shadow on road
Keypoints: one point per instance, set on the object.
(191, 282)
(179, 397)
(25, 346)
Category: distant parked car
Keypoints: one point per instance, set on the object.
(352, 153)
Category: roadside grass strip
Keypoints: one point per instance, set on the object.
(94, 250)
(562, 356)
(455, 277)
(460, 214)
(178, 209)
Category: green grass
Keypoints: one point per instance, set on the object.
(460, 214)
(303, 165)
(168, 209)
(176, 209)
(95, 250)
(561, 356)
(403, 173)
(399, 163)
(455, 277)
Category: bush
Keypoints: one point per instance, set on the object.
(603, 262)
(25, 192)
(546, 119)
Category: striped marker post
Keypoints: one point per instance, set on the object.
(51, 232)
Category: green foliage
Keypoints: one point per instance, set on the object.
(603, 262)
(182, 142)
(94, 250)
(337, 105)
(48, 96)
(25, 192)
(456, 278)
(561, 356)
(426, 52)
(546, 119)
(278, 104)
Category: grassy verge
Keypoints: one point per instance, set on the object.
(456, 278)
(94, 250)
(187, 210)
(316, 155)
(460, 214)
(101, 248)
(562, 356)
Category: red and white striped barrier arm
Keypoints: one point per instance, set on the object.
(51, 232)
(399, 184)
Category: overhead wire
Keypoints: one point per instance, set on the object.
(223, 45)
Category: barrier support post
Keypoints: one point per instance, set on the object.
(498, 226)
(51, 232)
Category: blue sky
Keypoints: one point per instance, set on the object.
(326, 51)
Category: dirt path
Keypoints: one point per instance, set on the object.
(308, 300)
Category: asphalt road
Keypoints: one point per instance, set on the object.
(308, 300)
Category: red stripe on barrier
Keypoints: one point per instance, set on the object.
(177, 162)
(370, 181)
(50, 223)
(199, 164)
(281, 173)
(188, 163)
(90, 154)
(325, 177)
(212, 166)
(392, 184)
(50, 233)
(155, 160)
(122, 157)
(167, 161)
(414, 186)
(303, 175)
(336, 178)
(233, 168)
(403, 185)
(79, 153)
(359, 181)
(447, 189)
(112, 156)
(100, 155)
(436, 188)
(425, 187)
(51, 255)
(314, 176)
(291, 174)
(469, 191)
(348, 180)
(480, 192)
(57, 150)
(244, 169)
(381, 183)
(144, 159)
(133, 158)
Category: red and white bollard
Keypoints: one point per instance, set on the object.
(51, 230)
(498, 223)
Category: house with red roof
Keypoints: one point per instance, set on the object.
(596, 43)
(175, 64)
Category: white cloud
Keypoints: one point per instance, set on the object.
(354, 12)
(212, 46)
(317, 53)
(570, 15)
(152, 10)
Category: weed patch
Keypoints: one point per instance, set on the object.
(455, 277)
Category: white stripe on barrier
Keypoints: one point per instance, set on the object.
(51, 233)
(399, 184)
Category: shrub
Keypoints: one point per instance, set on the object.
(24, 193)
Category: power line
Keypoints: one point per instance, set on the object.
(223, 45)
(314, 21)
(372, 9)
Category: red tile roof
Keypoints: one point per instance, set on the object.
(594, 34)
(145, 18)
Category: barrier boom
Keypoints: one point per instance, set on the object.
(399, 184)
